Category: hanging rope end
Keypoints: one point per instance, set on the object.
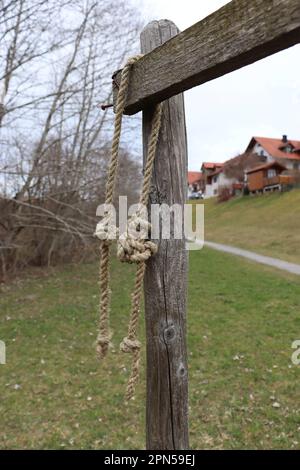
(102, 346)
(132, 346)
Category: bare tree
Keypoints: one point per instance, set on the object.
(56, 61)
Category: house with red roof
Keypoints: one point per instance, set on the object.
(260, 154)
(195, 182)
(230, 178)
(216, 178)
(211, 172)
(283, 151)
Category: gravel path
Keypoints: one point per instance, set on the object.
(277, 263)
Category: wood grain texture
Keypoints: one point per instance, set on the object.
(238, 34)
(166, 274)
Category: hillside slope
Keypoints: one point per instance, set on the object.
(268, 224)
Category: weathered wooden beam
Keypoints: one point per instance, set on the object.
(166, 275)
(238, 34)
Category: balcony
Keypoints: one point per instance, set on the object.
(279, 179)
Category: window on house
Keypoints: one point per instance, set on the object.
(288, 149)
(271, 173)
(215, 179)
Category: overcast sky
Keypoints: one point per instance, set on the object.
(262, 99)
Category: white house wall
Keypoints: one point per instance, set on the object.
(212, 190)
(261, 151)
(223, 180)
(209, 192)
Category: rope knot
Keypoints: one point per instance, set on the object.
(130, 345)
(106, 230)
(133, 244)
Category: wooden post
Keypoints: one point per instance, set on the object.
(165, 280)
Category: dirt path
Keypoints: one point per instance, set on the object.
(277, 263)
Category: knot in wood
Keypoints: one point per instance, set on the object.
(169, 333)
(181, 371)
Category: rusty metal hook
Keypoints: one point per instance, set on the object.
(105, 106)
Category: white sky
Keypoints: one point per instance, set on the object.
(262, 99)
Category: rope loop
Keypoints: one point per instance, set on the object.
(106, 229)
(134, 245)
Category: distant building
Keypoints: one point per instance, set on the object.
(211, 173)
(228, 176)
(268, 177)
(232, 175)
(195, 182)
(284, 151)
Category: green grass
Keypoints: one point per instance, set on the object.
(268, 224)
(241, 323)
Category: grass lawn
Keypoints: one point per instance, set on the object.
(268, 224)
(244, 390)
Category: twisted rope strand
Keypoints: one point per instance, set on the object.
(120, 106)
(104, 274)
(156, 123)
(104, 304)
